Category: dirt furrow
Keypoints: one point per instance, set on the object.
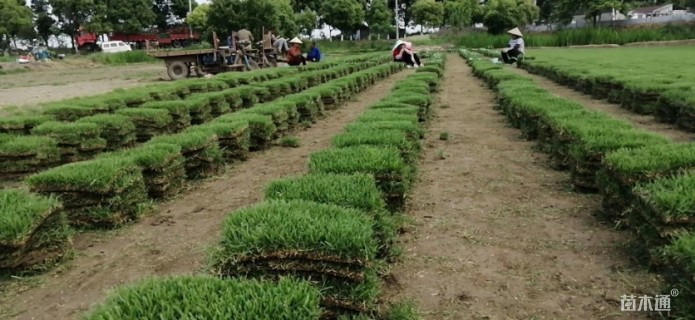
(498, 234)
(174, 239)
(644, 122)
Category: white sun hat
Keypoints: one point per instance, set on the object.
(296, 40)
(398, 43)
(515, 32)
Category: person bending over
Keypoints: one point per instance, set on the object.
(294, 56)
(401, 53)
(516, 47)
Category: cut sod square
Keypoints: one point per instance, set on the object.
(234, 138)
(200, 149)
(149, 122)
(625, 168)
(204, 297)
(199, 108)
(77, 140)
(297, 238)
(277, 112)
(233, 98)
(218, 102)
(162, 167)
(402, 109)
(680, 267)
(118, 130)
(308, 105)
(22, 124)
(386, 164)
(262, 128)
(33, 231)
(22, 155)
(95, 193)
(410, 149)
(67, 112)
(358, 191)
(381, 115)
(413, 131)
(178, 110)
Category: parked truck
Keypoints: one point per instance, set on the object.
(171, 38)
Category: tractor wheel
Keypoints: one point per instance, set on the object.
(176, 44)
(178, 70)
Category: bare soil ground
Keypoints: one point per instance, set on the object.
(645, 122)
(174, 239)
(497, 233)
(58, 81)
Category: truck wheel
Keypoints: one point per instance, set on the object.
(176, 44)
(178, 70)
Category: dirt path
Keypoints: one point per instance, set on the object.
(498, 234)
(175, 239)
(645, 122)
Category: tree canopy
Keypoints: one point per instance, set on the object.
(428, 13)
(346, 15)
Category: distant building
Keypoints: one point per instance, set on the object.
(650, 12)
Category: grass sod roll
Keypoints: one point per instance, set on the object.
(162, 167)
(262, 128)
(77, 141)
(178, 110)
(590, 148)
(411, 130)
(118, 130)
(22, 125)
(410, 149)
(33, 231)
(679, 259)
(200, 149)
(95, 193)
(234, 138)
(622, 170)
(358, 191)
(385, 164)
(149, 122)
(22, 155)
(203, 297)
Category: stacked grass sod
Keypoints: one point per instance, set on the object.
(277, 238)
(149, 122)
(261, 127)
(233, 138)
(77, 141)
(22, 125)
(177, 109)
(200, 149)
(33, 231)
(651, 89)
(408, 148)
(162, 167)
(119, 131)
(576, 139)
(204, 297)
(22, 155)
(647, 184)
(624, 169)
(95, 193)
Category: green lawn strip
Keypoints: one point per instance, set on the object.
(203, 297)
(33, 231)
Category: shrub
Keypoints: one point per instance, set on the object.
(33, 230)
(95, 193)
(210, 298)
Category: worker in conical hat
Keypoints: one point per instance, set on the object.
(516, 47)
(294, 55)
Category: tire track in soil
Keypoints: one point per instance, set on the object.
(175, 238)
(644, 122)
(497, 234)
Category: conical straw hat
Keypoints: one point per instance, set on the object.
(515, 32)
(296, 40)
(398, 43)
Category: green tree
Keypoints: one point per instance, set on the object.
(127, 16)
(43, 20)
(306, 20)
(169, 11)
(461, 13)
(15, 19)
(428, 13)
(198, 19)
(344, 15)
(231, 15)
(502, 15)
(379, 18)
(72, 14)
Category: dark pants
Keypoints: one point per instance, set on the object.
(314, 59)
(408, 59)
(301, 61)
(510, 55)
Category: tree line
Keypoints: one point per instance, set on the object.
(45, 18)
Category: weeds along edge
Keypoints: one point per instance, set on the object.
(646, 181)
(333, 227)
(116, 187)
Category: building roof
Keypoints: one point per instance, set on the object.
(647, 10)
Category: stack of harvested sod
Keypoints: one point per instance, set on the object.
(331, 226)
(22, 155)
(20, 125)
(201, 297)
(33, 231)
(149, 122)
(200, 149)
(95, 193)
(647, 183)
(233, 138)
(119, 131)
(77, 141)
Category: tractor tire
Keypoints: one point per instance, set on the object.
(178, 70)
